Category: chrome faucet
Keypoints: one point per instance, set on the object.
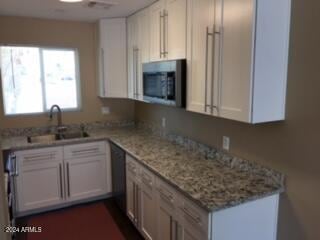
(60, 127)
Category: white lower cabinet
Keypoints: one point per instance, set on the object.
(50, 177)
(161, 212)
(141, 199)
(132, 189)
(168, 226)
(85, 170)
(195, 222)
(147, 203)
(39, 182)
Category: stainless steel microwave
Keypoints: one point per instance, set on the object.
(165, 82)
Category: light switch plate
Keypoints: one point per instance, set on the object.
(164, 122)
(105, 110)
(226, 143)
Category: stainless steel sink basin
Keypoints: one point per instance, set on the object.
(72, 135)
(56, 137)
(42, 138)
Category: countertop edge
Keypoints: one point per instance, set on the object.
(109, 138)
(181, 191)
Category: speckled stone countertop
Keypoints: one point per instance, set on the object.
(208, 181)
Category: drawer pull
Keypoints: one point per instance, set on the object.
(189, 214)
(39, 157)
(146, 179)
(85, 151)
(165, 196)
(132, 168)
(147, 182)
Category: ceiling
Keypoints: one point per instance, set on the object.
(54, 9)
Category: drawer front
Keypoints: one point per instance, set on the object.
(84, 150)
(39, 156)
(166, 193)
(132, 166)
(147, 178)
(194, 216)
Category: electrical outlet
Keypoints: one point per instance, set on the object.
(226, 143)
(105, 110)
(164, 122)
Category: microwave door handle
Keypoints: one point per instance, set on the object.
(167, 86)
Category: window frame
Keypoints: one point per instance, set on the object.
(42, 80)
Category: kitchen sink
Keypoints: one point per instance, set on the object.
(72, 135)
(42, 138)
(56, 137)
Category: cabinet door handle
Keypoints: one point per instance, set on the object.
(212, 106)
(165, 32)
(68, 179)
(60, 176)
(218, 33)
(103, 73)
(137, 72)
(134, 203)
(173, 229)
(161, 22)
(134, 72)
(137, 203)
(206, 71)
(196, 219)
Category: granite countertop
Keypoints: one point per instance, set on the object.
(211, 184)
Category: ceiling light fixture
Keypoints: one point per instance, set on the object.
(71, 1)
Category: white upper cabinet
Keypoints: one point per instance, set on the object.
(200, 53)
(132, 34)
(237, 58)
(168, 20)
(138, 51)
(144, 35)
(113, 58)
(176, 29)
(156, 31)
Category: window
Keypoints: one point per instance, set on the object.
(34, 79)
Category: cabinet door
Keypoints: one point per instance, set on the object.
(157, 31)
(85, 177)
(195, 222)
(40, 180)
(200, 55)
(143, 51)
(236, 55)
(113, 58)
(167, 225)
(144, 34)
(189, 235)
(132, 33)
(131, 193)
(147, 206)
(175, 29)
